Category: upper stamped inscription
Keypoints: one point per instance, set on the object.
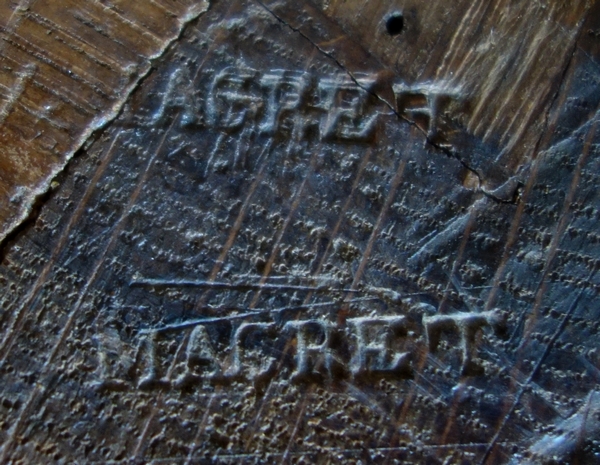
(344, 106)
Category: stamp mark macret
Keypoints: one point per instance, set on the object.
(321, 350)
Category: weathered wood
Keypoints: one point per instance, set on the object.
(314, 232)
(66, 70)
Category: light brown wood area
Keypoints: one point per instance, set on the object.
(66, 68)
(506, 58)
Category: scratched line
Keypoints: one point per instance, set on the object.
(381, 292)
(216, 268)
(265, 275)
(339, 450)
(240, 316)
(301, 409)
(279, 237)
(544, 139)
(6, 447)
(218, 263)
(233, 286)
(396, 181)
(316, 274)
(250, 454)
(274, 251)
(541, 291)
(456, 398)
(563, 324)
(559, 232)
(65, 331)
(267, 269)
(201, 426)
(322, 261)
(316, 46)
(17, 321)
(407, 404)
(512, 238)
(235, 229)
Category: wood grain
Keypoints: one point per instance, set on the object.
(66, 69)
(508, 58)
(281, 247)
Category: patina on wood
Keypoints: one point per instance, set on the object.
(66, 69)
(315, 232)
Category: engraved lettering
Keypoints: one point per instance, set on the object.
(234, 99)
(343, 108)
(146, 356)
(374, 356)
(379, 346)
(179, 95)
(111, 361)
(241, 368)
(347, 108)
(424, 104)
(377, 353)
(201, 361)
(466, 325)
(286, 95)
(314, 357)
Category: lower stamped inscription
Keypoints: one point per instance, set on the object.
(264, 344)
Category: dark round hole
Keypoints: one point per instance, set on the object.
(394, 24)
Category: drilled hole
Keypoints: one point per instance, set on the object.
(394, 24)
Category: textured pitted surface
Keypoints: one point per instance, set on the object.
(285, 249)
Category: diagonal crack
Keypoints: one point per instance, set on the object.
(40, 193)
(513, 197)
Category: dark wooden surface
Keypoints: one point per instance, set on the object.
(298, 237)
